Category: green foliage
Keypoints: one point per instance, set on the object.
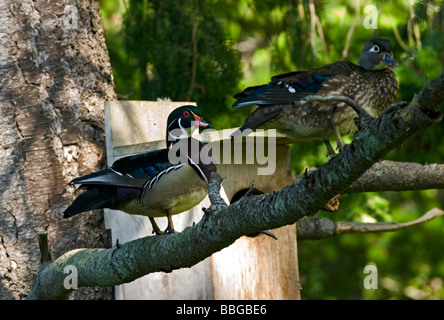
(178, 49)
(207, 50)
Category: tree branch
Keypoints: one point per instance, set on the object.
(106, 267)
(315, 228)
(397, 176)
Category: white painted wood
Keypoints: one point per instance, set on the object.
(260, 267)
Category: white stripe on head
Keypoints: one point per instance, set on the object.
(174, 134)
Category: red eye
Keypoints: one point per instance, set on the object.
(186, 113)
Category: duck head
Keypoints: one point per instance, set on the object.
(182, 121)
(377, 54)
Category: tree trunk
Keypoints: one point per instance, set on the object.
(54, 78)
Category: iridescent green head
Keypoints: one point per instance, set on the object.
(181, 121)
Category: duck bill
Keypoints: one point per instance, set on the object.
(389, 60)
(201, 123)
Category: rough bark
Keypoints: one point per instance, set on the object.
(222, 224)
(54, 78)
(398, 176)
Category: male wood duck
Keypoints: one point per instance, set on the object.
(150, 184)
(372, 84)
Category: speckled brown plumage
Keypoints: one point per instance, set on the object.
(372, 85)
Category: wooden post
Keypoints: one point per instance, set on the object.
(256, 267)
(253, 267)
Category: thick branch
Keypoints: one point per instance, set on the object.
(397, 176)
(224, 224)
(315, 228)
(431, 95)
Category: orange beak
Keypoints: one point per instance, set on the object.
(201, 123)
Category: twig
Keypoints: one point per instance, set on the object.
(399, 39)
(249, 191)
(216, 200)
(44, 248)
(360, 227)
(351, 30)
(311, 8)
(322, 38)
(194, 61)
(315, 228)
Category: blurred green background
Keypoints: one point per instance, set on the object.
(208, 50)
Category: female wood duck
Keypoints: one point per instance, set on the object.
(154, 184)
(372, 84)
